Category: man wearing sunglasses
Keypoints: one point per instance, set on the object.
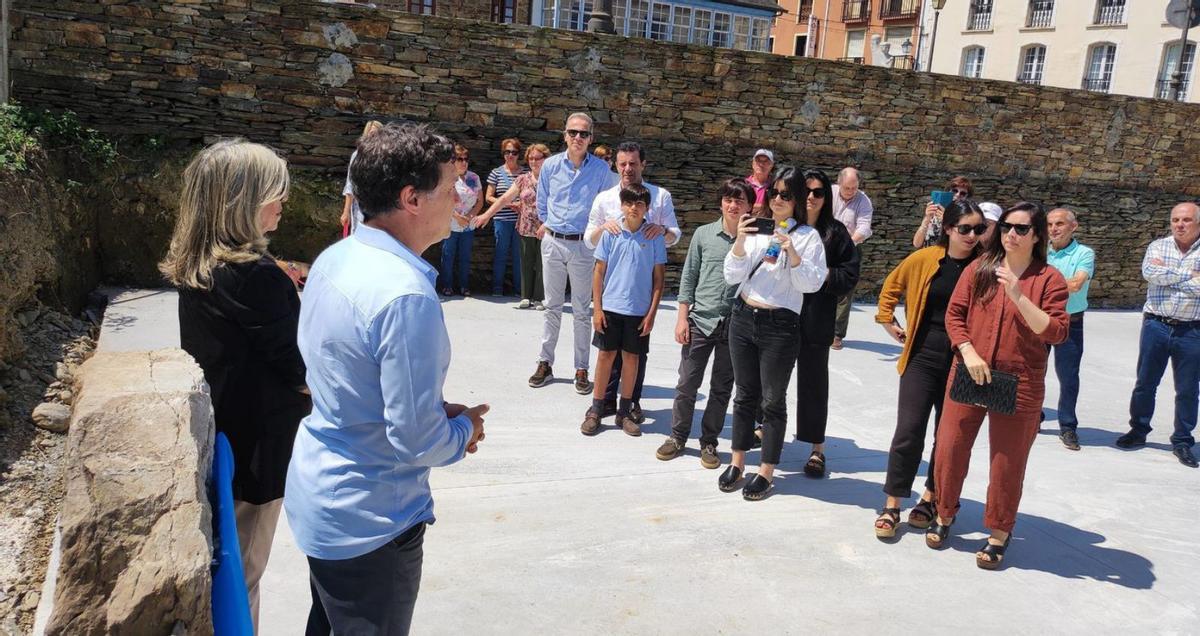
(1170, 333)
(1077, 263)
(567, 186)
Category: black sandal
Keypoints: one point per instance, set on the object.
(923, 509)
(730, 479)
(994, 554)
(935, 536)
(890, 518)
(815, 467)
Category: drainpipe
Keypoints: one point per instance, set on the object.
(824, 30)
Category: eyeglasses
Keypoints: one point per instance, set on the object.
(461, 159)
(1021, 228)
(967, 228)
(961, 193)
(582, 134)
(511, 152)
(782, 194)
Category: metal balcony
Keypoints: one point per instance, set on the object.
(899, 9)
(856, 11)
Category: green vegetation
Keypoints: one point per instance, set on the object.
(24, 132)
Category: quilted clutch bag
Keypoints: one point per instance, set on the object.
(1000, 395)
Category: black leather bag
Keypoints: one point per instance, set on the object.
(1000, 395)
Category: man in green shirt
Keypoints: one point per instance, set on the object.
(704, 305)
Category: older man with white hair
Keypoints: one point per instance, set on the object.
(1077, 263)
(853, 208)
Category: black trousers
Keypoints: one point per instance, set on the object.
(812, 393)
(922, 389)
(693, 361)
(372, 594)
(763, 344)
(614, 380)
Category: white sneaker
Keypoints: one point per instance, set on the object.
(539, 306)
(524, 304)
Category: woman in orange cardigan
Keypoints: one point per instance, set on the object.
(926, 280)
(1009, 304)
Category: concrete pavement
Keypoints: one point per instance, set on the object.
(546, 531)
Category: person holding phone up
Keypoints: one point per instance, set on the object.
(773, 272)
(926, 280)
(930, 229)
(1007, 306)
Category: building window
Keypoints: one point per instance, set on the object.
(1100, 68)
(504, 11)
(422, 7)
(803, 10)
(741, 32)
(639, 11)
(702, 27)
(979, 15)
(856, 10)
(1033, 62)
(1041, 14)
(620, 10)
(897, 9)
(1110, 12)
(720, 32)
(855, 43)
(660, 21)
(681, 25)
(1172, 63)
(760, 31)
(801, 49)
(972, 64)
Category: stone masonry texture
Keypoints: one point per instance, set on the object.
(303, 76)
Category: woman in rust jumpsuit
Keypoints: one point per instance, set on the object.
(1008, 305)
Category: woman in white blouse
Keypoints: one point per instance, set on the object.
(764, 335)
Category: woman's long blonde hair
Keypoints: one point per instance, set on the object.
(224, 188)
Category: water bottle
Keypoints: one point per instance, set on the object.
(775, 247)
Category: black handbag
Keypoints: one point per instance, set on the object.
(1000, 395)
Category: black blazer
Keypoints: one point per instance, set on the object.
(242, 332)
(820, 307)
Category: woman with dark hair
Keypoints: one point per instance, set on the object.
(926, 280)
(817, 319)
(931, 225)
(1008, 305)
(773, 272)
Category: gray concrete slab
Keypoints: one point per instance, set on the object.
(548, 531)
(139, 320)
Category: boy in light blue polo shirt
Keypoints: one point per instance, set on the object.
(627, 284)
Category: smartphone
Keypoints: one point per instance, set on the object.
(765, 226)
(942, 198)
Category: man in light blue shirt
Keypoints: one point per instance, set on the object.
(373, 338)
(1077, 263)
(567, 185)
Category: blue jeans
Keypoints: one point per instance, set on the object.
(456, 252)
(1181, 345)
(1066, 366)
(507, 244)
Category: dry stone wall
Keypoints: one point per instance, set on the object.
(304, 76)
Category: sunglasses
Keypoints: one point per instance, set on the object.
(461, 159)
(816, 194)
(583, 134)
(782, 194)
(961, 193)
(1021, 228)
(511, 153)
(967, 228)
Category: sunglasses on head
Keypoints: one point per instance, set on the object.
(583, 134)
(966, 228)
(1021, 228)
(782, 194)
(512, 152)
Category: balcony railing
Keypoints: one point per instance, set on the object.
(1162, 89)
(980, 16)
(856, 11)
(1039, 19)
(805, 10)
(904, 62)
(899, 9)
(1097, 84)
(852, 60)
(1026, 78)
(1111, 12)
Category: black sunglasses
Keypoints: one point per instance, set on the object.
(782, 194)
(1021, 228)
(967, 228)
(512, 152)
(462, 159)
(962, 193)
(579, 133)
(817, 194)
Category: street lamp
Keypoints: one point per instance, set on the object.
(601, 20)
(937, 12)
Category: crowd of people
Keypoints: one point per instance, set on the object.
(335, 404)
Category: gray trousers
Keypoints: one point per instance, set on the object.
(369, 595)
(693, 361)
(563, 260)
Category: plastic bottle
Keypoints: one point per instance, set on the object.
(775, 247)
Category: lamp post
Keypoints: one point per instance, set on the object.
(601, 20)
(937, 13)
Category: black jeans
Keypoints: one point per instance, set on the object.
(812, 393)
(370, 594)
(693, 360)
(922, 388)
(763, 344)
(614, 380)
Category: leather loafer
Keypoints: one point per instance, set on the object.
(728, 482)
(1131, 440)
(756, 487)
(1185, 456)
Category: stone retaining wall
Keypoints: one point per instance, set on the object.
(304, 76)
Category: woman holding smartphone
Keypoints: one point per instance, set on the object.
(1008, 305)
(930, 229)
(818, 318)
(772, 272)
(926, 280)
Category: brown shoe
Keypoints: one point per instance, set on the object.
(669, 450)
(591, 423)
(583, 386)
(629, 426)
(709, 458)
(541, 376)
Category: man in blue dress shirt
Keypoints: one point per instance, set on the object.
(373, 337)
(568, 184)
